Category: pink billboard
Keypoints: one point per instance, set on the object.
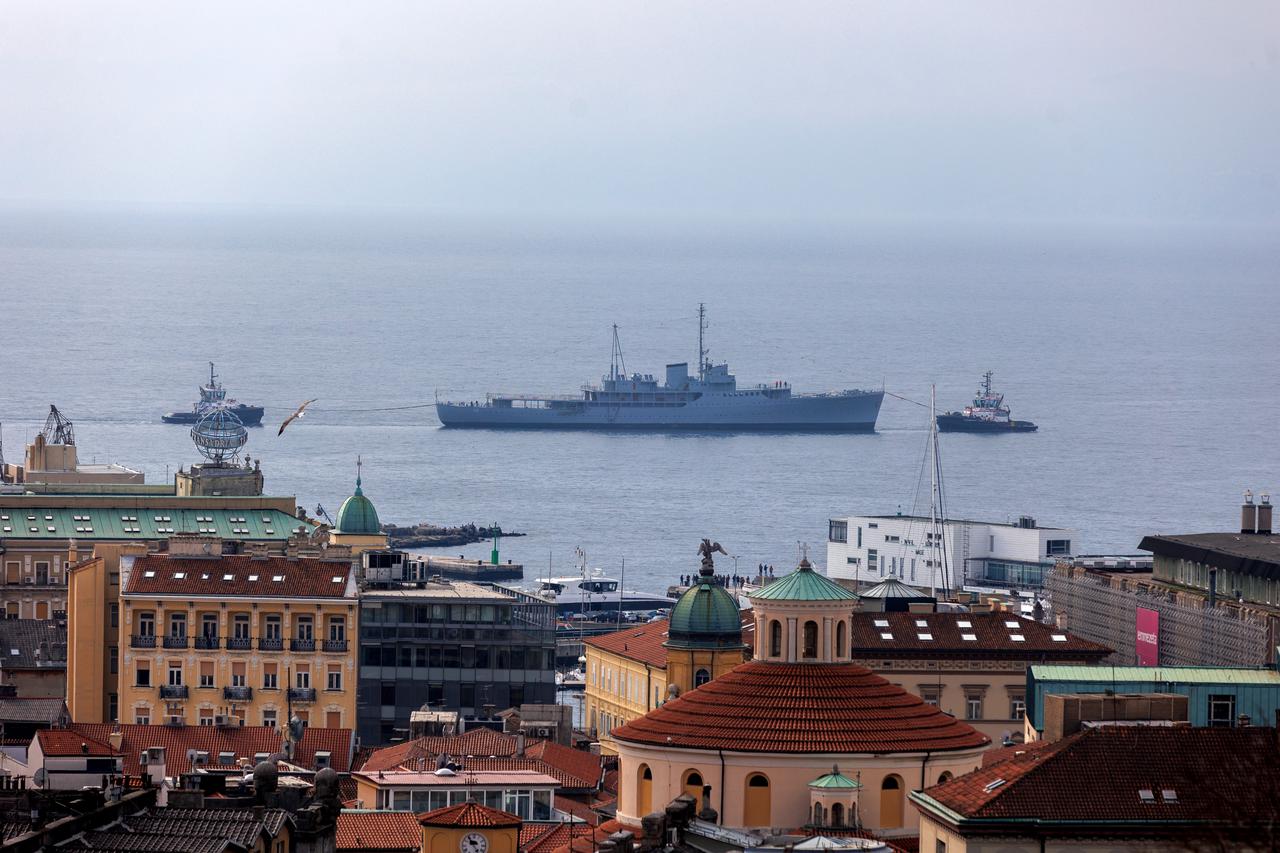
(1148, 637)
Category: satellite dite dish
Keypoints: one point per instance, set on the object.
(219, 435)
(39, 777)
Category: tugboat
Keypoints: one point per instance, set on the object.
(212, 395)
(707, 399)
(987, 414)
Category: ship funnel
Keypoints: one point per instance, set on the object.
(678, 375)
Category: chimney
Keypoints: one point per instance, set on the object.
(520, 745)
(116, 738)
(1256, 517)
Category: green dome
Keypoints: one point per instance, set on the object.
(834, 779)
(705, 617)
(804, 584)
(357, 515)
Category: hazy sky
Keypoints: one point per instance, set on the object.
(1163, 111)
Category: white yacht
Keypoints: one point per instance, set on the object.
(597, 595)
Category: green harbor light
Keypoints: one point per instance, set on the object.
(493, 556)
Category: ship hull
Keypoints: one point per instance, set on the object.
(848, 412)
(959, 423)
(248, 415)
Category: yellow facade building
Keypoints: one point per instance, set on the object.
(631, 672)
(208, 637)
(470, 828)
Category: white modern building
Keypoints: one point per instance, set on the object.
(988, 554)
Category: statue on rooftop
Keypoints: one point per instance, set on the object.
(706, 549)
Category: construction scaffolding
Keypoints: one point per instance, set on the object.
(1102, 607)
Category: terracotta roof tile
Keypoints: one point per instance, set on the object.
(71, 742)
(789, 708)
(244, 741)
(946, 632)
(379, 831)
(1230, 775)
(577, 763)
(206, 576)
(483, 742)
(644, 643)
(469, 813)
(543, 837)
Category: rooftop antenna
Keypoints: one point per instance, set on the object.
(57, 429)
(702, 349)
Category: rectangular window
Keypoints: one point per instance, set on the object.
(146, 624)
(305, 628)
(270, 679)
(1222, 710)
(303, 716)
(115, 661)
(142, 717)
(1057, 547)
(209, 625)
(337, 628)
(303, 676)
(269, 717)
(333, 720)
(873, 561)
(271, 628)
(206, 673)
(238, 673)
(177, 625)
(240, 626)
(206, 716)
(1017, 707)
(973, 707)
(859, 537)
(175, 673)
(115, 615)
(930, 693)
(837, 531)
(334, 681)
(143, 674)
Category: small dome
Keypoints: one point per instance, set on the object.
(705, 617)
(357, 515)
(835, 779)
(804, 584)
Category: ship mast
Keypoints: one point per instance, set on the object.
(937, 511)
(616, 361)
(702, 350)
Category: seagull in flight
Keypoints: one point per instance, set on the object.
(297, 414)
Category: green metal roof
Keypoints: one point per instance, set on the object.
(834, 779)
(706, 616)
(894, 588)
(357, 515)
(804, 584)
(139, 523)
(1186, 674)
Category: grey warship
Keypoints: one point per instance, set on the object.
(709, 400)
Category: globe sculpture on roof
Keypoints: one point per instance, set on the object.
(219, 435)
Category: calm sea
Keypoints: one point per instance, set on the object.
(1149, 358)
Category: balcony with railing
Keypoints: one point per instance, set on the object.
(302, 694)
(335, 645)
(300, 644)
(239, 644)
(142, 641)
(172, 642)
(207, 642)
(241, 693)
(173, 691)
(271, 644)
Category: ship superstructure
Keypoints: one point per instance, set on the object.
(987, 414)
(212, 396)
(709, 399)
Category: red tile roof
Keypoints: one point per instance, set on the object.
(67, 742)
(644, 643)
(1229, 775)
(379, 831)
(564, 760)
(469, 813)
(255, 578)
(801, 708)
(993, 637)
(484, 742)
(244, 741)
(543, 837)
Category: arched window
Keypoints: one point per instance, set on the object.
(692, 785)
(817, 814)
(775, 639)
(644, 790)
(756, 808)
(891, 802)
(810, 644)
(842, 638)
(837, 814)
(701, 677)
(945, 777)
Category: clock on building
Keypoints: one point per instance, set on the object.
(473, 842)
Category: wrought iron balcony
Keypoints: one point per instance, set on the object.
(173, 691)
(271, 644)
(206, 642)
(237, 694)
(239, 644)
(300, 645)
(142, 641)
(302, 694)
(335, 645)
(175, 642)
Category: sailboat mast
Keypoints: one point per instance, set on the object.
(933, 490)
